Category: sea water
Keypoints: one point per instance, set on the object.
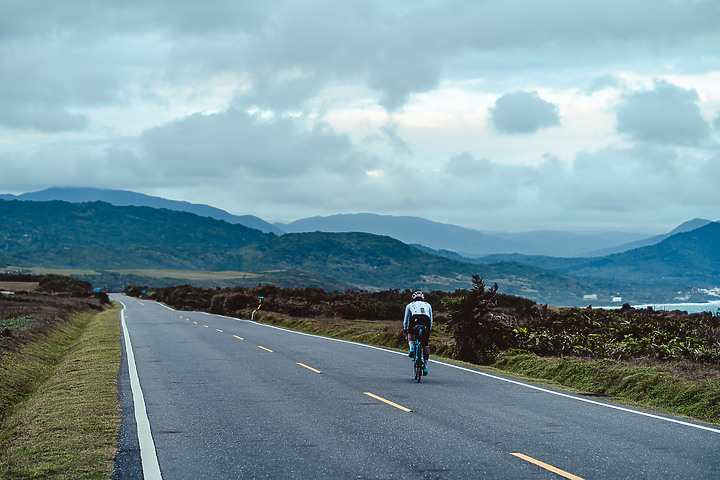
(713, 306)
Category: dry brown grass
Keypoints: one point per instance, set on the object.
(679, 368)
(18, 286)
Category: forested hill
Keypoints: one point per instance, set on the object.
(99, 235)
(686, 259)
(692, 256)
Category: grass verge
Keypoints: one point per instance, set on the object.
(61, 416)
(646, 386)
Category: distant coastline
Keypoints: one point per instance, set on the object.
(712, 306)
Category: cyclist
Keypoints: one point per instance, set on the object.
(418, 312)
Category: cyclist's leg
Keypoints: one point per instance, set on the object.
(425, 342)
(411, 338)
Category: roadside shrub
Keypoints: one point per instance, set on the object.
(59, 284)
(135, 290)
(479, 332)
(184, 297)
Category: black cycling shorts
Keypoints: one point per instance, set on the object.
(421, 320)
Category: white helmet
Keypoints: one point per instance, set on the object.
(418, 296)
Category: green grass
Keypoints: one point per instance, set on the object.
(15, 324)
(60, 410)
(649, 387)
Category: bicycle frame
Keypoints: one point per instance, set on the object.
(417, 359)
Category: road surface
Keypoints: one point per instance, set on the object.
(213, 397)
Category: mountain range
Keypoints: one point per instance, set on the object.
(412, 230)
(119, 243)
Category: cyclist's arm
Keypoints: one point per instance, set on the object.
(406, 320)
(431, 316)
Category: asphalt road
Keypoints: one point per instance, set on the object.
(229, 398)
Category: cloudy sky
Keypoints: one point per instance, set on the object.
(508, 115)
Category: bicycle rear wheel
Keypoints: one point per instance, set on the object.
(418, 362)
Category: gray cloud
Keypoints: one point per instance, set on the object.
(117, 68)
(523, 112)
(603, 82)
(211, 145)
(666, 114)
(77, 164)
(395, 48)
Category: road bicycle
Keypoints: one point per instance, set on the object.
(417, 359)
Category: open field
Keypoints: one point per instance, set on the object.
(189, 274)
(192, 275)
(51, 271)
(18, 286)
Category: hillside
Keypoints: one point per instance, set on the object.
(686, 259)
(128, 198)
(692, 257)
(645, 242)
(106, 238)
(98, 235)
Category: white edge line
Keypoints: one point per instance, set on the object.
(148, 456)
(503, 379)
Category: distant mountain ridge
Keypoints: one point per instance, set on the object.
(128, 198)
(464, 241)
(406, 229)
(411, 230)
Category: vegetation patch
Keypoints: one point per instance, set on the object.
(18, 286)
(52, 271)
(60, 411)
(647, 386)
(193, 275)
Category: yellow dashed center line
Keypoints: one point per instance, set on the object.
(309, 368)
(404, 409)
(195, 323)
(267, 349)
(239, 338)
(219, 330)
(206, 326)
(546, 466)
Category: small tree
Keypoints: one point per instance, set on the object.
(478, 333)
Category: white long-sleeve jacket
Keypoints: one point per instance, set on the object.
(417, 308)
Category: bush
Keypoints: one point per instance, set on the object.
(135, 290)
(63, 285)
(479, 332)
